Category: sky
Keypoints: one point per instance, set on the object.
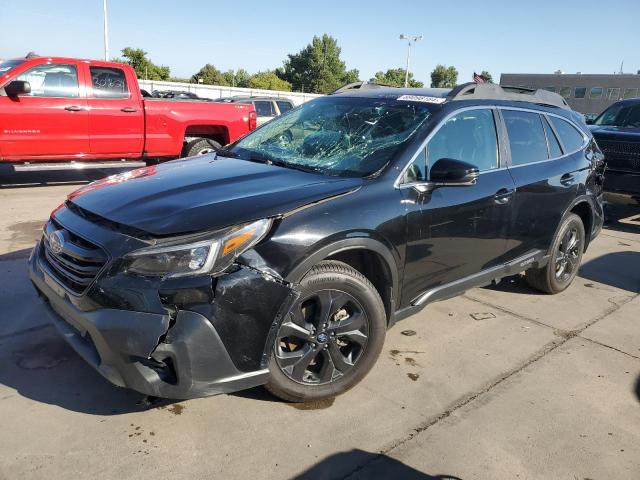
(539, 36)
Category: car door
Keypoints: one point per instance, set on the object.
(116, 113)
(455, 232)
(547, 165)
(49, 122)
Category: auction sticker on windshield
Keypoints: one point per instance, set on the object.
(421, 98)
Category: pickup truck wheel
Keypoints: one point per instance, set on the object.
(201, 146)
(564, 259)
(331, 338)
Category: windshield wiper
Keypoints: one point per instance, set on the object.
(296, 166)
(228, 153)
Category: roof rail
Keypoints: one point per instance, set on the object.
(359, 86)
(492, 91)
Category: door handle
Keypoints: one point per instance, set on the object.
(74, 108)
(503, 195)
(128, 110)
(567, 179)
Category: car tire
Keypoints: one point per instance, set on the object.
(201, 146)
(338, 324)
(565, 256)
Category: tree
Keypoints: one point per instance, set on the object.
(269, 81)
(237, 78)
(395, 78)
(210, 75)
(487, 76)
(145, 68)
(317, 68)
(444, 77)
(351, 76)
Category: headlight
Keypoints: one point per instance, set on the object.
(207, 256)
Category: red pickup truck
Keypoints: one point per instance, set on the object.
(64, 109)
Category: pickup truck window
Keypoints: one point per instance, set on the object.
(284, 106)
(52, 80)
(109, 82)
(264, 109)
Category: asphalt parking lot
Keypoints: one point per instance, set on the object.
(502, 382)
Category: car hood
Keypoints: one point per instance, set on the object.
(205, 193)
(615, 133)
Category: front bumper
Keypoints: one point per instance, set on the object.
(142, 351)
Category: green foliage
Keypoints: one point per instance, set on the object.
(351, 76)
(317, 68)
(237, 78)
(395, 78)
(487, 76)
(145, 69)
(269, 81)
(444, 77)
(210, 75)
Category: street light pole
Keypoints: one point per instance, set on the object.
(409, 38)
(106, 31)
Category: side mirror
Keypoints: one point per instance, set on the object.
(17, 87)
(589, 121)
(448, 172)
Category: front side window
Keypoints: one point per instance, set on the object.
(336, 135)
(571, 138)
(52, 80)
(633, 119)
(580, 92)
(284, 106)
(526, 137)
(469, 136)
(108, 82)
(596, 93)
(417, 171)
(264, 109)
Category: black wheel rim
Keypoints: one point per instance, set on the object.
(568, 255)
(322, 338)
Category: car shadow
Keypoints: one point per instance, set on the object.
(616, 269)
(514, 284)
(637, 388)
(622, 218)
(361, 464)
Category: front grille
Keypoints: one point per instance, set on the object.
(621, 155)
(76, 262)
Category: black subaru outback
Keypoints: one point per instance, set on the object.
(283, 259)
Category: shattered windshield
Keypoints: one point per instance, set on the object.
(351, 136)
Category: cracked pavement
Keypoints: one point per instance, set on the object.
(502, 382)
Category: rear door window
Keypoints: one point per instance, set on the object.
(284, 106)
(526, 137)
(554, 147)
(108, 82)
(52, 80)
(264, 108)
(571, 138)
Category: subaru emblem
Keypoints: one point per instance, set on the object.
(56, 241)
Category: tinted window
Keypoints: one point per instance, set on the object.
(469, 136)
(526, 137)
(52, 80)
(571, 138)
(264, 109)
(614, 115)
(633, 119)
(552, 141)
(417, 171)
(108, 82)
(284, 106)
(580, 92)
(596, 93)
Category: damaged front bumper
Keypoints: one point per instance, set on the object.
(159, 343)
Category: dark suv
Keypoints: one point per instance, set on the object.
(283, 259)
(617, 131)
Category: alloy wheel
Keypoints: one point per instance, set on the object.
(322, 338)
(568, 254)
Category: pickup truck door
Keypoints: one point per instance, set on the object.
(116, 112)
(49, 122)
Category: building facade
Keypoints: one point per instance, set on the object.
(588, 94)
